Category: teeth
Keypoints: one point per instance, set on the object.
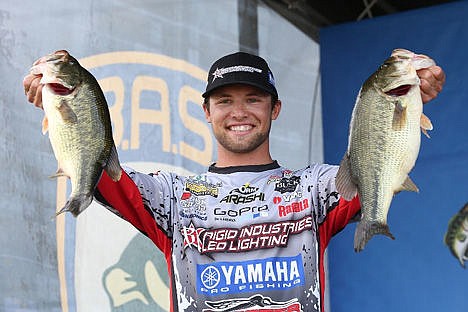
(241, 128)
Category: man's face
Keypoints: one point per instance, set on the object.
(241, 117)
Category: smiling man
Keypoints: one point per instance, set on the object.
(249, 234)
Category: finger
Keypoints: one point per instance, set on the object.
(439, 76)
(434, 75)
(428, 90)
(33, 89)
(27, 82)
(38, 97)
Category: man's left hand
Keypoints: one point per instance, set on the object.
(432, 81)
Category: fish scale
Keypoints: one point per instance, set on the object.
(456, 237)
(78, 121)
(384, 140)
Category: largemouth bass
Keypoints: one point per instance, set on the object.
(78, 121)
(384, 140)
(456, 237)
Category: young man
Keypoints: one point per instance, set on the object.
(248, 234)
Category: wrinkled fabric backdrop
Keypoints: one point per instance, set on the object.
(151, 59)
(416, 271)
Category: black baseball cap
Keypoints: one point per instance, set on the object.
(241, 67)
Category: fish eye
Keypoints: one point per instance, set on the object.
(461, 237)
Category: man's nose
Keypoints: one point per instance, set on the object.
(239, 109)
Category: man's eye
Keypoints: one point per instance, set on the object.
(252, 100)
(222, 101)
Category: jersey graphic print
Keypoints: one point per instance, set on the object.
(243, 240)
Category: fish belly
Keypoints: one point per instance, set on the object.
(381, 158)
(79, 149)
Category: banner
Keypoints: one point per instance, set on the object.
(416, 271)
(151, 59)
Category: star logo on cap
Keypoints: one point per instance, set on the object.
(218, 73)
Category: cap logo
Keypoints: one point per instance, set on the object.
(218, 73)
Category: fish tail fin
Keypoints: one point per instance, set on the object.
(365, 230)
(112, 167)
(76, 204)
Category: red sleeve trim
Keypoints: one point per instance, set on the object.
(338, 218)
(335, 221)
(125, 197)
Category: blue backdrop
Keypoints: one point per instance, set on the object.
(415, 272)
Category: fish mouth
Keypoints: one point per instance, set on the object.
(400, 90)
(60, 89)
(49, 67)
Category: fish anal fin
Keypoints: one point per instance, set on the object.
(112, 167)
(343, 181)
(426, 124)
(66, 112)
(408, 185)
(45, 125)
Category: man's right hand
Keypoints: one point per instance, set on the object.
(33, 89)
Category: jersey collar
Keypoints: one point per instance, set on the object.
(248, 168)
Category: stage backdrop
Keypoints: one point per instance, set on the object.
(151, 58)
(415, 272)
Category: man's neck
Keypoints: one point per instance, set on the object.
(260, 156)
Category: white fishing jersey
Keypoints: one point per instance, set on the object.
(249, 238)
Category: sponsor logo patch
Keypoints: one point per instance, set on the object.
(251, 237)
(221, 278)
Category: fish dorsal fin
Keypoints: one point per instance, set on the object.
(409, 185)
(66, 112)
(112, 167)
(45, 125)
(343, 181)
(426, 124)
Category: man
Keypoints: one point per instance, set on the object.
(248, 234)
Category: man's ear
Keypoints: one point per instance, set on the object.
(206, 109)
(276, 110)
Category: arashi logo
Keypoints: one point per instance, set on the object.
(242, 195)
(268, 274)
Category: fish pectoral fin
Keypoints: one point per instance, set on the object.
(408, 185)
(112, 167)
(66, 112)
(400, 105)
(343, 181)
(45, 125)
(399, 116)
(426, 124)
(58, 173)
